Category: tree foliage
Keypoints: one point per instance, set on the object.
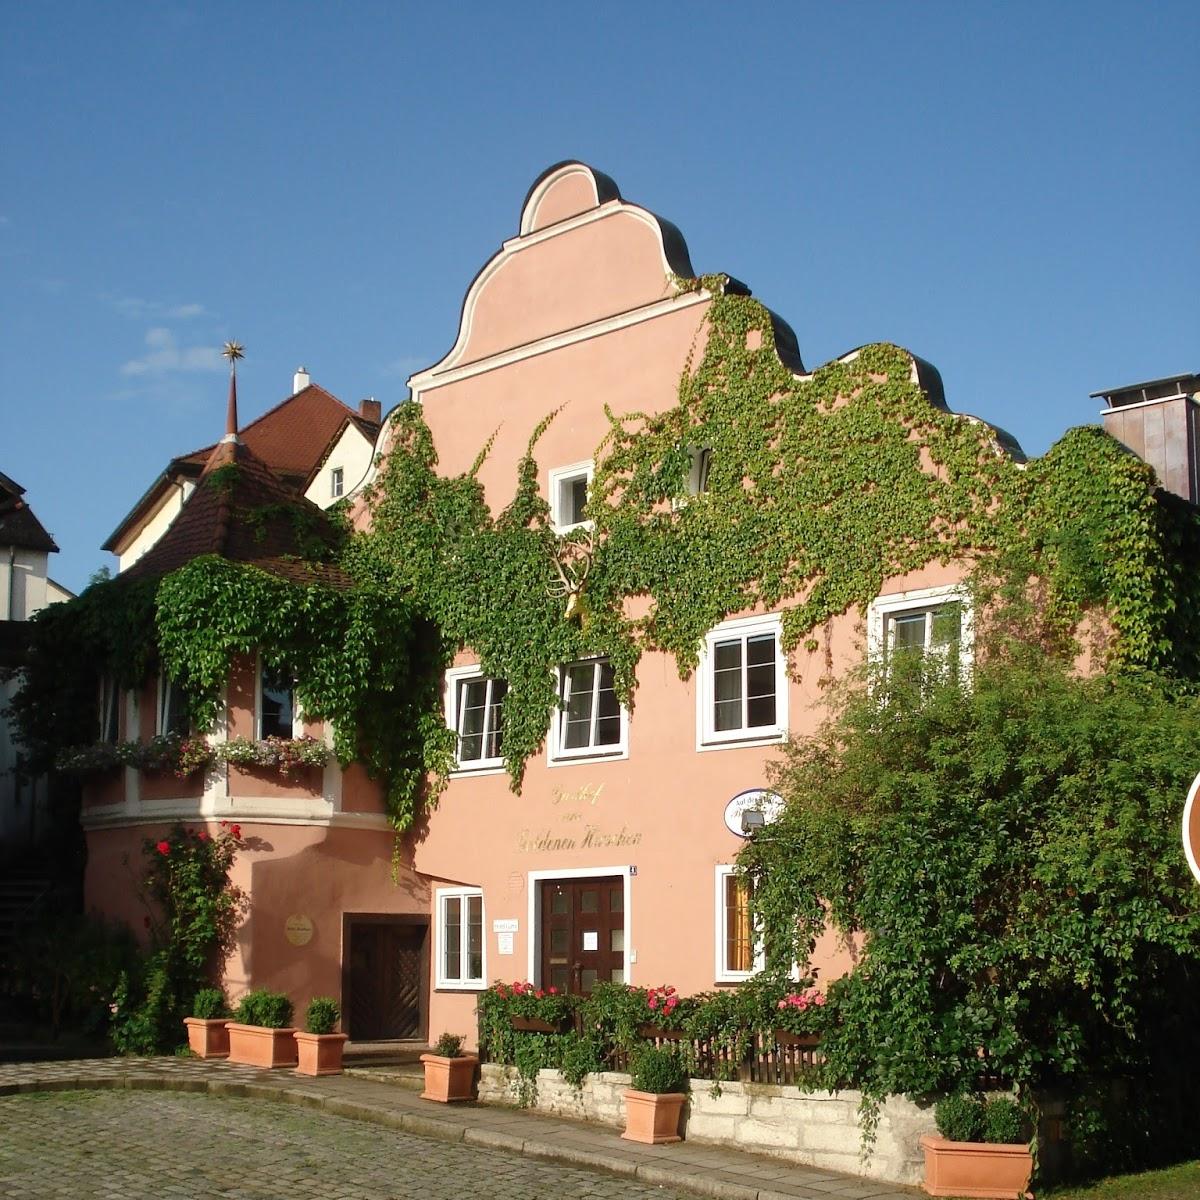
(1005, 854)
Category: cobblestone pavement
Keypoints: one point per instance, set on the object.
(493, 1150)
(129, 1145)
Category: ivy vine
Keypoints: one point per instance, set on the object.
(820, 489)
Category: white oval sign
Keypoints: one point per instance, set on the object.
(1191, 828)
(770, 804)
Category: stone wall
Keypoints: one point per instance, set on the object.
(818, 1129)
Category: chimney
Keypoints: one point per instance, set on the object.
(300, 380)
(371, 409)
(1160, 422)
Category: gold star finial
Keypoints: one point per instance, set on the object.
(233, 351)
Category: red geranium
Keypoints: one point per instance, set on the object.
(163, 848)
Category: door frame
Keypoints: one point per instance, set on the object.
(350, 919)
(535, 878)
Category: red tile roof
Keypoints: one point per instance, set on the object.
(292, 437)
(243, 512)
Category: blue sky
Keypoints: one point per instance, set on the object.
(1009, 190)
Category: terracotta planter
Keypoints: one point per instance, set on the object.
(653, 1118)
(448, 1080)
(319, 1053)
(975, 1168)
(208, 1038)
(257, 1046)
(536, 1025)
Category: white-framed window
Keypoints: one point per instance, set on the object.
(460, 942)
(475, 711)
(697, 477)
(739, 950)
(569, 488)
(337, 481)
(109, 710)
(276, 707)
(172, 711)
(590, 722)
(742, 693)
(934, 624)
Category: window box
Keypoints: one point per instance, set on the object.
(590, 722)
(475, 711)
(742, 692)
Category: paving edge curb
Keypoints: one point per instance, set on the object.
(676, 1176)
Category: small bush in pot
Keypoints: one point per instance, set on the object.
(449, 1073)
(322, 1015)
(654, 1104)
(260, 1034)
(210, 1005)
(268, 1010)
(449, 1045)
(979, 1151)
(319, 1047)
(960, 1117)
(208, 1036)
(658, 1071)
(1003, 1122)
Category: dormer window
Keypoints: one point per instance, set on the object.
(569, 488)
(337, 482)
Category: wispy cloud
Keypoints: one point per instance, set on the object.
(164, 354)
(138, 309)
(404, 366)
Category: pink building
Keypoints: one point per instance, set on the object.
(615, 859)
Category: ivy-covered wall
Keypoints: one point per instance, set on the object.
(821, 488)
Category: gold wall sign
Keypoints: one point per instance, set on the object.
(298, 930)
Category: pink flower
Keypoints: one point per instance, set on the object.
(554, 991)
(163, 848)
(203, 835)
(653, 1001)
(782, 1004)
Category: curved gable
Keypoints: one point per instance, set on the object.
(583, 255)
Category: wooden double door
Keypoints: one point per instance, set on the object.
(583, 933)
(386, 979)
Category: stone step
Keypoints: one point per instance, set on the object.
(409, 1076)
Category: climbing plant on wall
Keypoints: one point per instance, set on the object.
(820, 488)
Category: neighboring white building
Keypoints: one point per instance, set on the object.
(25, 589)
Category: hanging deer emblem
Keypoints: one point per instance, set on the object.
(572, 561)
